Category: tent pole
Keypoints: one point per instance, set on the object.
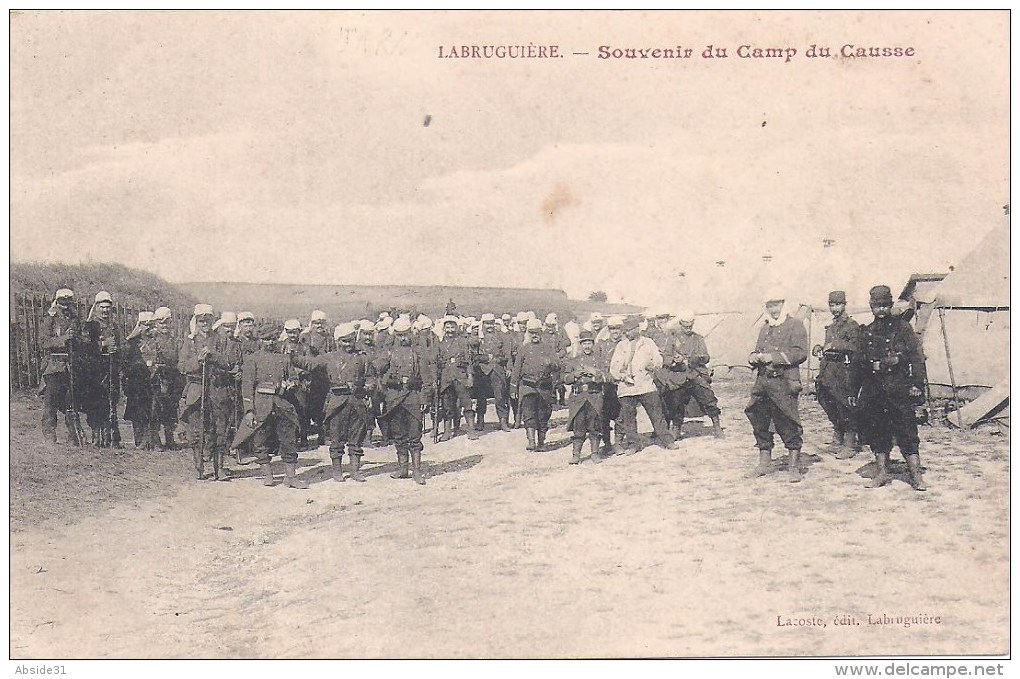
(949, 362)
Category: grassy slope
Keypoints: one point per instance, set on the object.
(132, 287)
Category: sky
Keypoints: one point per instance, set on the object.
(293, 148)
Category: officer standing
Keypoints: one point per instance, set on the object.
(887, 377)
(270, 421)
(403, 375)
(60, 337)
(586, 375)
(832, 386)
(534, 377)
(290, 344)
(317, 340)
(780, 349)
(453, 358)
(492, 357)
(105, 344)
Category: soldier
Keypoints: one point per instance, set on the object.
(687, 376)
(103, 393)
(423, 338)
(587, 375)
(492, 358)
(561, 344)
(780, 349)
(270, 421)
(453, 354)
(404, 373)
(604, 348)
(347, 418)
(60, 337)
(290, 344)
(832, 386)
(161, 350)
(887, 380)
(317, 341)
(383, 338)
(137, 388)
(597, 324)
(231, 410)
(518, 338)
(633, 365)
(535, 374)
(245, 332)
(206, 403)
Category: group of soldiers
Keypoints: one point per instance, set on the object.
(260, 391)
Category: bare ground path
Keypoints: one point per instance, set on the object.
(512, 554)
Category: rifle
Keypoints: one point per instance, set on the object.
(72, 410)
(200, 451)
(437, 398)
(111, 406)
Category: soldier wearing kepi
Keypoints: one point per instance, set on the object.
(587, 376)
(60, 337)
(161, 350)
(832, 386)
(403, 375)
(230, 411)
(270, 421)
(492, 357)
(206, 403)
(887, 379)
(290, 344)
(318, 341)
(453, 357)
(534, 377)
(780, 349)
(688, 364)
(105, 343)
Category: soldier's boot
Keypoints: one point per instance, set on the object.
(593, 441)
(795, 472)
(266, 471)
(541, 440)
(469, 420)
(419, 476)
(401, 471)
(914, 468)
(764, 464)
(716, 428)
(851, 446)
(576, 459)
(881, 476)
(531, 438)
(447, 430)
(290, 477)
(356, 474)
(504, 425)
(338, 468)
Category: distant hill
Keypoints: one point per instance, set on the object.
(131, 287)
(341, 302)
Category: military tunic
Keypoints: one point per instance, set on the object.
(218, 381)
(402, 373)
(777, 385)
(535, 374)
(832, 386)
(587, 375)
(265, 378)
(453, 359)
(346, 415)
(685, 375)
(491, 359)
(59, 374)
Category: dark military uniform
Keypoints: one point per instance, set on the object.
(265, 378)
(298, 393)
(685, 375)
(453, 360)
(317, 344)
(212, 425)
(491, 359)
(61, 377)
(105, 344)
(137, 390)
(161, 351)
(347, 419)
(610, 398)
(232, 409)
(403, 373)
(777, 385)
(832, 386)
(587, 375)
(535, 374)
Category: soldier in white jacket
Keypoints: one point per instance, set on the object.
(634, 362)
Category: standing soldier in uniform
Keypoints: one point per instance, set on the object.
(60, 337)
(317, 341)
(161, 350)
(561, 344)
(887, 380)
(404, 372)
(535, 374)
(604, 349)
(832, 386)
(228, 344)
(270, 421)
(632, 367)
(206, 403)
(453, 360)
(518, 333)
(491, 370)
(245, 332)
(688, 376)
(106, 343)
(587, 375)
(290, 344)
(137, 388)
(777, 355)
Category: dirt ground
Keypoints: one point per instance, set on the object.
(510, 554)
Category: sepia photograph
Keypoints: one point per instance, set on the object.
(439, 335)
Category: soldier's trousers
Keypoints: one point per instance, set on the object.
(536, 410)
(675, 401)
(277, 435)
(456, 396)
(405, 428)
(103, 415)
(836, 408)
(587, 422)
(885, 421)
(348, 426)
(497, 379)
(652, 403)
(56, 392)
(165, 415)
(610, 410)
(217, 424)
(773, 402)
